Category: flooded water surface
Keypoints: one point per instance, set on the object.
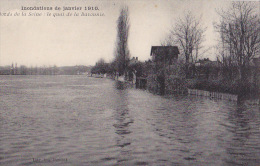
(78, 120)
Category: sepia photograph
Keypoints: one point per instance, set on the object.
(129, 82)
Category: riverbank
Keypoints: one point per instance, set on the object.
(180, 86)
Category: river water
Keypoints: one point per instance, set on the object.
(77, 120)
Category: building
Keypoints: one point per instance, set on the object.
(133, 61)
(207, 69)
(133, 68)
(162, 57)
(164, 54)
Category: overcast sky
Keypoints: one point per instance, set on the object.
(48, 40)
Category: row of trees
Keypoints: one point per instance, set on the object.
(43, 70)
(239, 32)
(101, 67)
(239, 44)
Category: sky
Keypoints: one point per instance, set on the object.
(83, 40)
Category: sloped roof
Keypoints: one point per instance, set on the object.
(133, 61)
(164, 50)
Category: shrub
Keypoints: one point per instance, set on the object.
(175, 84)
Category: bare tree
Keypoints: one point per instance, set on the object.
(188, 34)
(239, 31)
(122, 54)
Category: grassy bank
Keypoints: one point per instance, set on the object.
(173, 84)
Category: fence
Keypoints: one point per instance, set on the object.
(216, 95)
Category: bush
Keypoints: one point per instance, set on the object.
(152, 83)
(222, 86)
(175, 84)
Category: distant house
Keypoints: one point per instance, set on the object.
(164, 54)
(133, 68)
(206, 68)
(133, 61)
(207, 62)
(162, 57)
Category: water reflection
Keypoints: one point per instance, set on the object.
(123, 120)
(120, 85)
(176, 122)
(241, 146)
